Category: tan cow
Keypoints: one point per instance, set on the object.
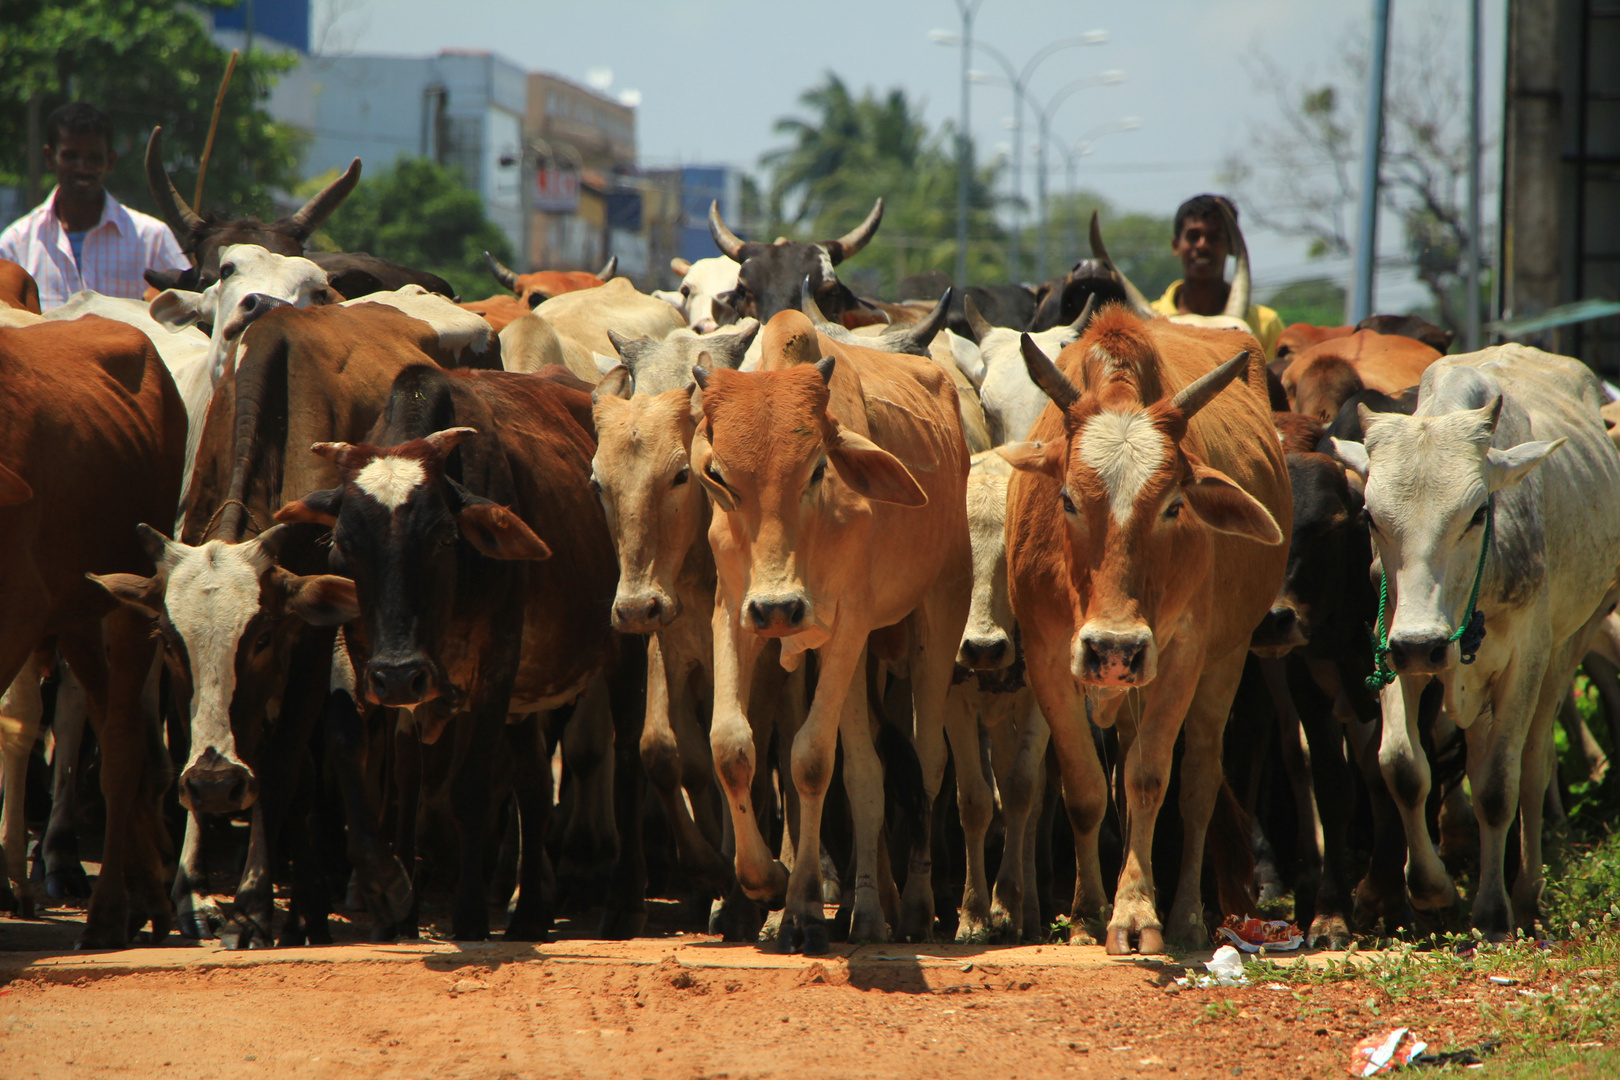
(839, 481)
(1323, 377)
(582, 320)
(1146, 538)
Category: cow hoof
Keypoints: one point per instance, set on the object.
(529, 930)
(470, 929)
(805, 934)
(1151, 942)
(69, 881)
(866, 925)
(1119, 941)
(735, 918)
(1328, 932)
(387, 891)
(199, 918)
(622, 925)
(1432, 895)
(973, 930)
(916, 921)
(1004, 929)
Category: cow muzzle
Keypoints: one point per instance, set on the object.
(214, 784)
(987, 652)
(644, 612)
(779, 615)
(400, 683)
(1280, 631)
(1120, 658)
(1420, 654)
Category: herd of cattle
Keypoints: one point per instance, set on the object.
(701, 542)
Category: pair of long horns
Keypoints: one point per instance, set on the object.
(189, 226)
(731, 245)
(1192, 397)
(980, 326)
(913, 339)
(509, 279)
(1237, 299)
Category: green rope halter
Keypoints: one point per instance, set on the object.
(1471, 631)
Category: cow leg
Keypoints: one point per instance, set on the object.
(20, 712)
(531, 920)
(250, 923)
(471, 767)
(731, 737)
(1019, 755)
(804, 927)
(1296, 755)
(590, 846)
(976, 805)
(863, 787)
(665, 764)
(384, 886)
(1405, 769)
(64, 873)
(1204, 726)
(626, 914)
(199, 917)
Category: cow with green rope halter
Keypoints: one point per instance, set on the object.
(1467, 500)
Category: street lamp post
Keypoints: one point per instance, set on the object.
(1018, 80)
(1043, 118)
(1084, 145)
(964, 166)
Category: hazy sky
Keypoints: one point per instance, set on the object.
(713, 75)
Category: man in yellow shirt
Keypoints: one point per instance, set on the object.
(1201, 244)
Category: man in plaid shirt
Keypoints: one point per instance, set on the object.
(81, 237)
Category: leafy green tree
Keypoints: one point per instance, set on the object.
(1317, 301)
(422, 215)
(854, 149)
(144, 62)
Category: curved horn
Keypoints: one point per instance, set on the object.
(1237, 299)
(310, 216)
(726, 240)
(926, 331)
(808, 305)
(502, 274)
(447, 440)
(606, 273)
(851, 242)
(976, 322)
(1053, 383)
(1198, 393)
(1138, 302)
(1085, 315)
(181, 218)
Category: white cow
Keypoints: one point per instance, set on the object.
(701, 283)
(1457, 502)
(1011, 399)
(463, 335)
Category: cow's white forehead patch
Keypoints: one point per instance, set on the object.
(211, 596)
(390, 480)
(1126, 450)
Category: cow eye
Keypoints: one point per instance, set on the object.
(821, 472)
(714, 474)
(1068, 503)
(686, 290)
(266, 636)
(681, 476)
(1173, 510)
(596, 487)
(1478, 518)
(227, 270)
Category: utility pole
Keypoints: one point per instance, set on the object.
(1476, 231)
(1372, 148)
(964, 153)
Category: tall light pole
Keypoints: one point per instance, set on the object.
(1018, 80)
(1043, 118)
(1372, 148)
(1476, 230)
(1084, 145)
(964, 166)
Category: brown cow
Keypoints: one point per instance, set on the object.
(92, 440)
(839, 479)
(1297, 337)
(17, 288)
(535, 288)
(1326, 375)
(1145, 540)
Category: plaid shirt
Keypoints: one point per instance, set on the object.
(122, 245)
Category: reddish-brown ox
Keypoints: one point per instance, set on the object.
(92, 440)
(1326, 375)
(840, 493)
(1297, 337)
(17, 288)
(1146, 536)
(541, 285)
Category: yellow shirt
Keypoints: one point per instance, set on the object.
(1265, 323)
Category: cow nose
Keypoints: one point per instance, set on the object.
(640, 614)
(705, 326)
(219, 788)
(1115, 657)
(403, 683)
(982, 654)
(776, 614)
(1419, 655)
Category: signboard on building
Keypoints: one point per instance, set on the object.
(556, 191)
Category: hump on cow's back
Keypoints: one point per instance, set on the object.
(119, 349)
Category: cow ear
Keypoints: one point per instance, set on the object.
(322, 599)
(1508, 467)
(177, 309)
(617, 382)
(142, 593)
(499, 533)
(874, 472)
(1035, 457)
(680, 266)
(320, 507)
(1353, 456)
(13, 488)
(1225, 507)
(703, 460)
